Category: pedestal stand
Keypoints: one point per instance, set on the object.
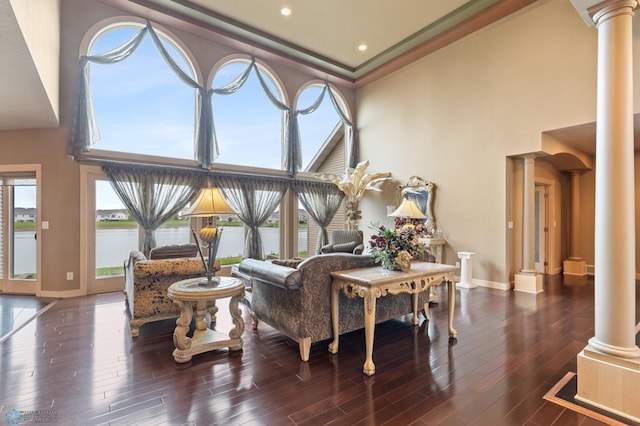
(465, 270)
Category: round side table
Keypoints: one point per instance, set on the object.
(184, 294)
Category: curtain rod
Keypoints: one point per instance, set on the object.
(208, 172)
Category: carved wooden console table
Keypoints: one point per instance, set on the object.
(373, 283)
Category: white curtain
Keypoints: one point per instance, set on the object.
(322, 201)
(153, 195)
(254, 200)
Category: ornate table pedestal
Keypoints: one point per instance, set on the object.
(436, 247)
(373, 283)
(188, 292)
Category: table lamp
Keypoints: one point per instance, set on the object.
(209, 203)
(408, 209)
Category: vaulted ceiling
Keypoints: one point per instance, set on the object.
(323, 35)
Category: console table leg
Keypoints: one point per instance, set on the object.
(369, 367)
(414, 299)
(452, 305)
(335, 309)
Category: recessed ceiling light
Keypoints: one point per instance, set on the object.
(285, 11)
(362, 47)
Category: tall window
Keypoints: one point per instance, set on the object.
(248, 126)
(118, 233)
(141, 106)
(322, 141)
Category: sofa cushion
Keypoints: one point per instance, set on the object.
(174, 251)
(270, 273)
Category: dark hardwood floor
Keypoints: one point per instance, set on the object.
(77, 364)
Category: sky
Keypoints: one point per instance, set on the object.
(142, 107)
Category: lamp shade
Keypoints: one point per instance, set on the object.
(210, 202)
(408, 208)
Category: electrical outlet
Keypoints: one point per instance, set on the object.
(457, 264)
(69, 276)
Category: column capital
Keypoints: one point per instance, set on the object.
(595, 11)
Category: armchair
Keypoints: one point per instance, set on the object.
(344, 242)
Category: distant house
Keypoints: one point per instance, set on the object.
(24, 214)
(302, 216)
(108, 215)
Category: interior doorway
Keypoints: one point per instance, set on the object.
(542, 228)
(19, 228)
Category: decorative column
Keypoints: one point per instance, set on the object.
(575, 265)
(465, 270)
(528, 280)
(609, 366)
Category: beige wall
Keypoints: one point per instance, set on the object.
(455, 116)
(60, 176)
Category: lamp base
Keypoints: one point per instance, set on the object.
(209, 282)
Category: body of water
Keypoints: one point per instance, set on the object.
(114, 244)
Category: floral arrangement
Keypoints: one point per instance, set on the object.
(394, 248)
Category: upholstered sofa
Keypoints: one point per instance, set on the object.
(147, 281)
(296, 299)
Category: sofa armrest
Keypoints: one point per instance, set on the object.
(270, 273)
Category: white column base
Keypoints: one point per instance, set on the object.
(465, 270)
(609, 383)
(528, 283)
(575, 267)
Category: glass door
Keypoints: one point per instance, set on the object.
(18, 236)
(110, 235)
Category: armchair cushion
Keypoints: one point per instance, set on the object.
(174, 251)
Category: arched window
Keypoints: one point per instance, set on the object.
(141, 106)
(318, 128)
(248, 124)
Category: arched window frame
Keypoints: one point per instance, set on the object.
(278, 100)
(343, 111)
(85, 128)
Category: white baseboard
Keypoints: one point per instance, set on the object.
(492, 284)
(61, 294)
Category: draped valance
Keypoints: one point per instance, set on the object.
(85, 130)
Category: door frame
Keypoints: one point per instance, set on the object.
(8, 285)
(550, 221)
(89, 284)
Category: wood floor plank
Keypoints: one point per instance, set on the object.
(78, 358)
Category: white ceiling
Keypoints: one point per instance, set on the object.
(326, 33)
(335, 29)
